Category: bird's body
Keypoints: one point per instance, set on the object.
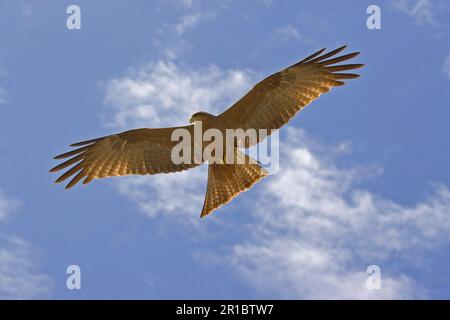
(267, 106)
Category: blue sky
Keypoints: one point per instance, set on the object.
(364, 176)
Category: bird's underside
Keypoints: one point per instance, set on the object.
(267, 106)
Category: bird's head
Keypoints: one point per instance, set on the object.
(199, 116)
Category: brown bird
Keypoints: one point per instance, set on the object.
(268, 105)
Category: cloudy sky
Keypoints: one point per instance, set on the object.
(363, 180)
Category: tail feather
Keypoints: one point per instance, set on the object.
(226, 181)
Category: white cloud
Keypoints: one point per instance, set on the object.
(446, 66)
(422, 11)
(189, 3)
(178, 194)
(7, 206)
(287, 32)
(172, 38)
(19, 274)
(291, 269)
(190, 21)
(315, 231)
(163, 94)
(26, 8)
(3, 95)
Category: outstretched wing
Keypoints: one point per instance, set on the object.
(141, 151)
(275, 100)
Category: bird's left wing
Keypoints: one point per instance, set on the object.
(140, 151)
(275, 100)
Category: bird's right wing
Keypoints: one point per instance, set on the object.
(276, 99)
(140, 151)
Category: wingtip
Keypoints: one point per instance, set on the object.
(76, 144)
(83, 143)
(88, 179)
(312, 56)
(69, 185)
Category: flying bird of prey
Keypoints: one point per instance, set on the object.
(268, 105)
